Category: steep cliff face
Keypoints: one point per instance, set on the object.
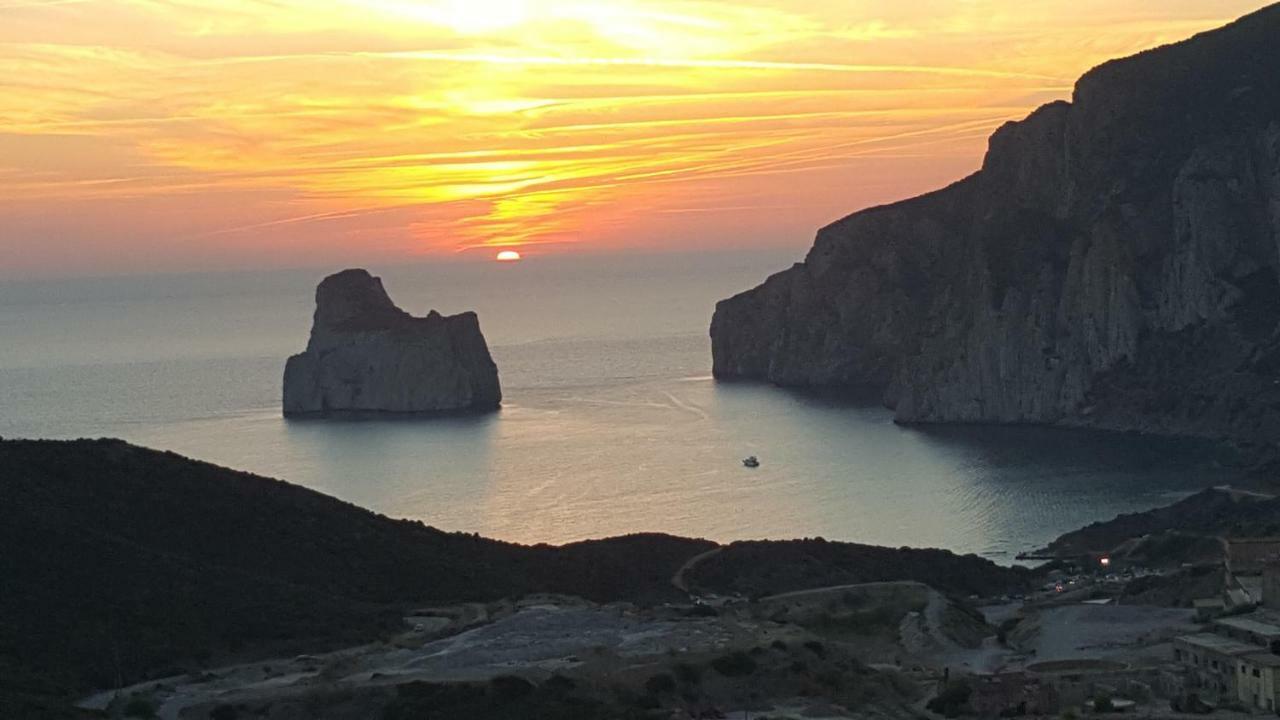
(1114, 263)
(367, 355)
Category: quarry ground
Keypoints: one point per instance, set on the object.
(616, 645)
(904, 630)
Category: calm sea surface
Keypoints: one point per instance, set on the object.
(611, 423)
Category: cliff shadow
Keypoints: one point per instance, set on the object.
(1078, 448)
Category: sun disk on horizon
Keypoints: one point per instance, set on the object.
(508, 256)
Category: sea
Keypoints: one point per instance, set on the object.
(611, 422)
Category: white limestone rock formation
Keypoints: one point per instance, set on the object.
(366, 355)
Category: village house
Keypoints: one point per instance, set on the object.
(1248, 556)
(1271, 585)
(1212, 661)
(1208, 608)
(1258, 680)
(1248, 629)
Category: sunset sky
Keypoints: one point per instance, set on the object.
(140, 135)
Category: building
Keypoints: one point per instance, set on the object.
(1247, 629)
(1208, 608)
(1271, 585)
(1014, 693)
(1212, 661)
(1247, 556)
(1258, 680)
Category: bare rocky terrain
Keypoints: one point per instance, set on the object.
(562, 657)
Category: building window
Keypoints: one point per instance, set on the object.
(1214, 664)
(1257, 672)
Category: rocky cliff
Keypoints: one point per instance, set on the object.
(1113, 264)
(367, 355)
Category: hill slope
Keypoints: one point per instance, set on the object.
(121, 563)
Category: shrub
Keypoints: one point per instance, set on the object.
(828, 678)
(687, 674)
(139, 706)
(902, 685)
(646, 702)
(953, 700)
(559, 684)
(816, 648)
(660, 684)
(735, 664)
(510, 687)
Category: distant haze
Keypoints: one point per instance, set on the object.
(138, 136)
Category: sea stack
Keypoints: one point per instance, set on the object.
(367, 356)
(1113, 264)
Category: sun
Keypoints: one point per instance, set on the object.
(508, 256)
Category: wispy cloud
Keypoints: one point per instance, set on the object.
(439, 126)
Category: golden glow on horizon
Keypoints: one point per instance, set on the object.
(176, 134)
(507, 256)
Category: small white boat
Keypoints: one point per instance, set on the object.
(751, 461)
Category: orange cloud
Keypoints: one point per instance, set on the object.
(227, 128)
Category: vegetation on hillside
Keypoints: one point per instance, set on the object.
(761, 568)
(1210, 512)
(123, 563)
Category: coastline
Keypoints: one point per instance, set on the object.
(165, 518)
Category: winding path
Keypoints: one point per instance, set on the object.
(678, 579)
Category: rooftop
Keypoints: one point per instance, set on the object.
(1250, 625)
(1219, 644)
(1262, 659)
